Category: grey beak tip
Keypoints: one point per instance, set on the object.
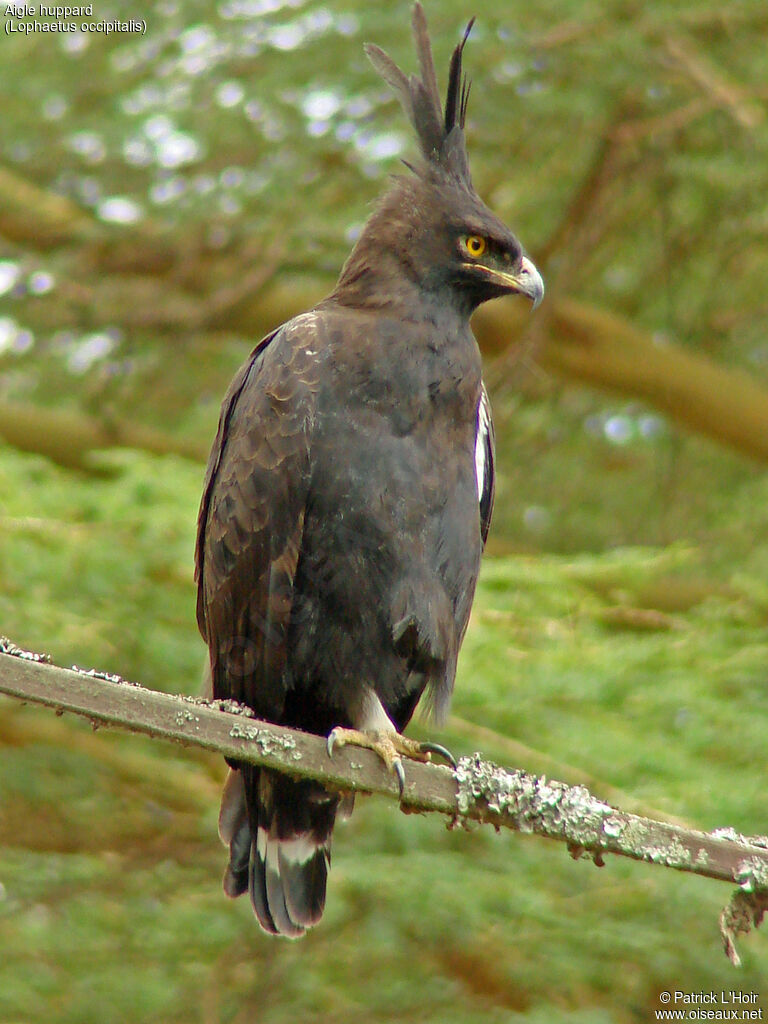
(534, 288)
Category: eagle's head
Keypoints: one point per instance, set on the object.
(432, 226)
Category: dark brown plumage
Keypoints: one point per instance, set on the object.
(349, 493)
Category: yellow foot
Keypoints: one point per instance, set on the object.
(389, 746)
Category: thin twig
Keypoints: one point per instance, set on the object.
(726, 93)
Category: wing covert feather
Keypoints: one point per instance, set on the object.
(252, 517)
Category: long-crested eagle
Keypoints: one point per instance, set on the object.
(348, 498)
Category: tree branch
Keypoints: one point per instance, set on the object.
(68, 437)
(477, 791)
(725, 93)
(583, 343)
(30, 215)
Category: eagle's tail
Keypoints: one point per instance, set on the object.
(279, 835)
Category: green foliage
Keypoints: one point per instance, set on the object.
(620, 626)
(64, 547)
(110, 867)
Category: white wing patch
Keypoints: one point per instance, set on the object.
(483, 426)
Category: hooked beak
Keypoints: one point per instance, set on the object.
(527, 281)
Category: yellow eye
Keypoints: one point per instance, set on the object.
(475, 246)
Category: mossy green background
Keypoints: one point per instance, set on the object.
(112, 909)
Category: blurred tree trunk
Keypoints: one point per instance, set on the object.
(574, 340)
(67, 437)
(591, 346)
(172, 284)
(598, 348)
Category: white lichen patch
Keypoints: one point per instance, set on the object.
(702, 858)
(185, 716)
(634, 834)
(737, 837)
(656, 846)
(9, 647)
(614, 826)
(109, 677)
(673, 854)
(268, 742)
(232, 707)
(752, 875)
(530, 803)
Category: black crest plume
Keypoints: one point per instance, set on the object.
(440, 135)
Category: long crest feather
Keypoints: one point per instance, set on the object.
(458, 90)
(465, 90)
(440, 136)
(391, 74)
(424, 53)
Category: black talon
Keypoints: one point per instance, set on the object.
(436, 748)
(397, 768)
(330, 742)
